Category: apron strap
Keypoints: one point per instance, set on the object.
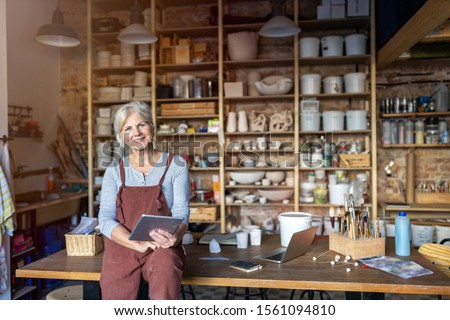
(122, 173)
(169, 160)
(119, 194)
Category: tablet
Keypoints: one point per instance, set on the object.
(148, 223)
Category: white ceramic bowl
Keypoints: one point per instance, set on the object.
(275, 176)
(274, 85)
(276, 194)
(247, 177)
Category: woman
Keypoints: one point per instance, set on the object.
(145, 181)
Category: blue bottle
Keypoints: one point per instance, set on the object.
(402, 241)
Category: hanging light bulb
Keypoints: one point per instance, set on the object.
(279, 25)
(136, 32)
(57, 34)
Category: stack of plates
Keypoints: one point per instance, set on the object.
(109, 93)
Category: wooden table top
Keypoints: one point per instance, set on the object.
(300, 273)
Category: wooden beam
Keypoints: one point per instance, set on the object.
(432, 14)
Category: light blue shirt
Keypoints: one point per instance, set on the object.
(176, 189)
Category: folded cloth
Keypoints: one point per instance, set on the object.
(6, 207)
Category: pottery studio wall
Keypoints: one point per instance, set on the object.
(36, 78)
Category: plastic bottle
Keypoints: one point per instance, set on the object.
(50, 180)
(402, 241)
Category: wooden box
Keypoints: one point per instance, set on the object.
(433, 197)
(182, 54)
(357, 249)
(234, 89)
(200, 214)
(354, 160)
(166, 55)
(189, 108)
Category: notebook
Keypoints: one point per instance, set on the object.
(300, 243)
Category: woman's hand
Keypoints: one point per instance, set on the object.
(143, 246)
(165, 239)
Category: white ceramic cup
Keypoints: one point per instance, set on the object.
(255, 237)
(262, 200)
(229, 199)
(265, 182)
(242, 240)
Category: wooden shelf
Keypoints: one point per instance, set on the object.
(393, 146)
(338, 168)
(194, 32)
(260, 63)
(259, 99)
(415, 114)
(264, 133)
(252, 186)
(121, 70)
(204, 169)
(203, 66)
(258, 169)
(257, 204)
(364, 95)
(207, 116)
(175, 100)
(22, 292)
(360, 59)
(23, 252)
(340, 132)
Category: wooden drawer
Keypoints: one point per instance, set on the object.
(200, 214)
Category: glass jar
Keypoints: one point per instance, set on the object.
(386, 132)
(394, 133)
(401, 131)
(409, 132)
(419, 127)
(432, 131)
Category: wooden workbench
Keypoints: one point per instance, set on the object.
(301, 273)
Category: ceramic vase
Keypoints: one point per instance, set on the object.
(242, 122)
(231, 122)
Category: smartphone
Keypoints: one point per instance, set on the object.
(246, 266)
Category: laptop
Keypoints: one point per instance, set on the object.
(298, 245)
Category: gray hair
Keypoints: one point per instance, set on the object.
(141, 108)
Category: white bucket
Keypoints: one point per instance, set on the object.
(355, 44)
(333, 120)
(291, 222)
(309, 47)
(356, 119)
(442, 232)
(337, 192)
(332, 46)
(390, 230)
(310, 121)
(317, 221)
(355, 82)
(310, 83)
(421, 234)
(332, 84)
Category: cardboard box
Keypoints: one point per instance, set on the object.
(338, 11)
(234, 89)
(323, 12)
(358, 8)
(432, 197)
(359, 248)
(182, 54)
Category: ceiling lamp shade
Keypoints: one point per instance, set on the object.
(136, 32)
(279, 25)
(57, 34)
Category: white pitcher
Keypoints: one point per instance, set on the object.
(242, 122)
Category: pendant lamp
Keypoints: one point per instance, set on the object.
(279, 25)
(136, 32)
(57, 34)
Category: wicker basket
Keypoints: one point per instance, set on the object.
(83, 245)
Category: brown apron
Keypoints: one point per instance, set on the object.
(124, 268)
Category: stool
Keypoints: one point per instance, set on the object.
(74, 292)
(262, 293)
